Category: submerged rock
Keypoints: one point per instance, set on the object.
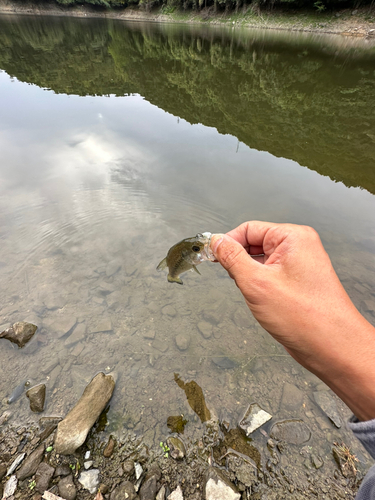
(328, 404)
(20, 333)
(292, 397)
(182, 341)
(177, 448)
(224, 362)
(254, 418)
(73, 430)
(219, 487)
(291, 431)
(30, 466)
(37, 396)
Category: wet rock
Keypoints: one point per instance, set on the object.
(62, 470)
(254, 418)
(15, 464)
(37, 396)
(161, 494)
(43, 476)
(219, 487)
(49, 366)
(195, 397)
(205, 329)
(102, 326)
(317, 461)
(54, 302)
(169, 311)
(328, 404)
(176, 494)
(62, 325)
(20, 333)
(149, 486)
(67, 488)
(291, 431)
(108, 450)
(3, 469)
(47, 426)
(73, 430)
(224, 362)
(10, 487)
(31, 464)
(176, 423)
(113, 268)
(160, 345)
(242, 318)
(182, 341)
(245, 471)
(177, 448)
(125, 490)
(78, 334)
(90, 480)
(54, 375)
(291, 398)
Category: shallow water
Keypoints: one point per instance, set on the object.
(118, 140)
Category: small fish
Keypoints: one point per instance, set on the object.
(18, 391)
(186, 255)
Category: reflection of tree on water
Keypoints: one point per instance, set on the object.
(291, 100)
(194, 395)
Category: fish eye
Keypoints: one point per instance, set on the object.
(195, 248)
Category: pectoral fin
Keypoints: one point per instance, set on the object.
(177, 279)
(162, 265)
(196, 270)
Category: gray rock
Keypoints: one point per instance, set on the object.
(78, 334)
(328, 404)
(30, 466)
(102, 326)
(160, 345)
(182, 341)
(49, 366)
(149, 486)
(317, 461)
(37, 396)
(125, 490)
(113, 267)
(245, 472)
(254, 418)
(242, 318)
(20, 333)
(15, 464)
(90, 480)
(291, 431)
(224, 362)
(54, 302)
(62, 470)
(3, 469)
(67, 488)
(177, 494)
(177, 448)
(43, 476)
(62, 325)
(169, 311)
(218, 487)
(291, 398)
(149, 334)
(73, 430)
(205, 329)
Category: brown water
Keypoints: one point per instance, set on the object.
(117, 141)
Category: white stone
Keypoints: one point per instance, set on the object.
(138, 470)
(254, 418)
(220, 491)
(87, 455)
(176, 494)
(88, 464)
(161, 494)
(90, 480)
(15, 464)
(10, 487)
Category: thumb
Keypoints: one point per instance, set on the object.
(232, 256)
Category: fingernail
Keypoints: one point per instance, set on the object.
(216, 239)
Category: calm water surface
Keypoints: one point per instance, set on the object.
(119, 140)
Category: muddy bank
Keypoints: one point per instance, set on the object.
(348, 22)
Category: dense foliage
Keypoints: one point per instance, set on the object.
(289, 100)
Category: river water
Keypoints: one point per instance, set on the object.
(117, 140)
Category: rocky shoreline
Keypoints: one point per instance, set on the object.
(354, 23)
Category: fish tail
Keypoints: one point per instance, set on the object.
(175, 280)
(162, 264)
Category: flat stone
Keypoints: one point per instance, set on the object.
(317, 461)
(177, 494)
(62, 325)
(15, 464)
(254, 418)
(291, 398)
(291, 431)
(161, 494)
(72, 431)
(90, 480)
(103, 325)
(205, 329)
(218, 487)
(113, 267)
(67, 488)
(182, 341)
(177, 448)
(149, 334)
(10, 487)
(43, 476)
(160, 345)
(20, 333)
(54, 302)
(224, 362)
(37, 396)
(169, 311)
(124, 491)
(31, 464)
(77, 335)
(327, 403)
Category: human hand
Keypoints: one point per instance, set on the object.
(295, 294)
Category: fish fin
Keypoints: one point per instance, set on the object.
(162, 265)
(175, 280)
(196, 270)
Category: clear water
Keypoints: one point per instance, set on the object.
(118, 140)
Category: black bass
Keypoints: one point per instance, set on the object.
(186, 255)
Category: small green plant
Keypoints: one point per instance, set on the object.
(319, 5)
(165, 449)
(32, 484)
(72, 466)
(50, 448)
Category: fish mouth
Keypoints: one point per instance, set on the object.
(207, 252)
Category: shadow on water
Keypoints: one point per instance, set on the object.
(306, 98)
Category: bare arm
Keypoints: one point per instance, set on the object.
(295, 294)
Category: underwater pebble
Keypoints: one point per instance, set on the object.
(254, 418)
